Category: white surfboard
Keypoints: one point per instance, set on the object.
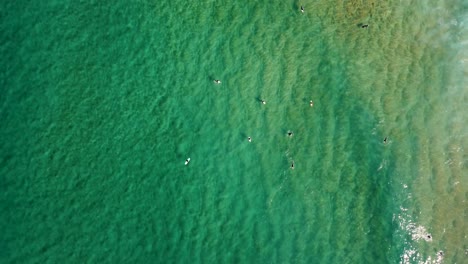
(187, 161)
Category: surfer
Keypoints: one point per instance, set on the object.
(311, 103)
(302, 9)
(249, 139)
(385, 140)
(290, 134)
(263, 102)
(187, 161)
(217, 81)
(292, 165)
(365, 26)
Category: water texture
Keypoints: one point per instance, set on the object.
(103, 101)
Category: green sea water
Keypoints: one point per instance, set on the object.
(102, 102)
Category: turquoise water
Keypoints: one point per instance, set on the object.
(103, 102)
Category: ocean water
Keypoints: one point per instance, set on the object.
(103, 101)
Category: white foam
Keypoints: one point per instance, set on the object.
(418, 233)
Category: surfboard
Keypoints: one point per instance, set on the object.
(187, 161)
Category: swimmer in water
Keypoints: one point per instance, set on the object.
(302, 9)
(365, 26)
(311, 103)
(290, 134)
(385, 140)
(217, 81)
(249, 139)
(292, 165)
